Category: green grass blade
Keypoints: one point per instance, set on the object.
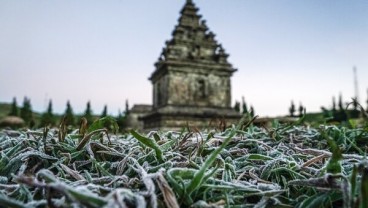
(107, 122)
(151, 143)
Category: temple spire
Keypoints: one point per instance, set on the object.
(192, 40)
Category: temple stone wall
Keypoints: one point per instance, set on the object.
(160, 91)
(198, 89)
(133, 120)
(176, 123)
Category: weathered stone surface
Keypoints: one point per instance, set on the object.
(177, 117)
(195, 89)
(137, 111)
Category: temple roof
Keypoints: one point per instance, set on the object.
(193, 42)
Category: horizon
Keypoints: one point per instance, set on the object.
(100, 52)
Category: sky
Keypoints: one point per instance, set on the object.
(103, 51)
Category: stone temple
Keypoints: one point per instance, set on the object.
(191, 81)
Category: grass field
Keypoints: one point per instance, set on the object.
(244, 166)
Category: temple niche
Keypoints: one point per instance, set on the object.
(191, 81)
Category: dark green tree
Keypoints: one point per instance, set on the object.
(14, 108)
(88, 113)
(48, 117)
(301, 110)
(69, 115)
(251, 111)
(237, 106)
(292, 109)
(126, 112)
(26, 112)
(341, 105)
(244, 106)
(354, 113)
(340, 114)
(104, 112)
(333, 103)
(120, 120)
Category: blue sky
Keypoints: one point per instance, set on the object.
(104, 51)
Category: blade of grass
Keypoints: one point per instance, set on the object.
(200, 175)
(151, 143)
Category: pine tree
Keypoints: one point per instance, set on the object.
(26, 112)
(14, 108)
(48, 117)
(251, 111)
(88, 113)
(301, 110)
(126, 107)
(333, 103)
(292, 109)
(104, 112)
(244, 106)
(341, 105)
(69, 116)
(237, 106)
(120, 120)
(341, 114)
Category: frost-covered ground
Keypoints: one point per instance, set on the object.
(284, 166)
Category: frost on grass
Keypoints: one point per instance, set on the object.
(286, 166)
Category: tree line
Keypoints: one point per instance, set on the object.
(48, 118)
(243, 108)
(341, 111)
(292, 110)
